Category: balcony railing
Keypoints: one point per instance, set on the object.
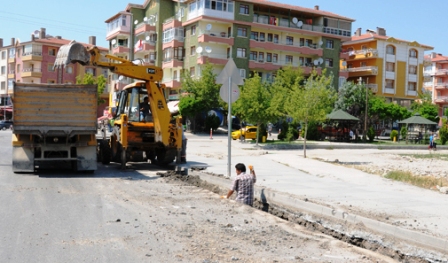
(441, 72)
(441, 85)
(33, 53)
(441, 99)
(213, 33)
(31, 70)
(173, 58)
(373, 69)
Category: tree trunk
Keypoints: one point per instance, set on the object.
(258, 133)
(304, 140)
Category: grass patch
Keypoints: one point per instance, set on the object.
(443, 157)
(421, 181)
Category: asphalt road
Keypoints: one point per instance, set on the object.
(134, 215)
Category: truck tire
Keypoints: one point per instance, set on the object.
(105, 152)
(165, 157)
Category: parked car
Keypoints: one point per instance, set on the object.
(5, 125)
(249, 132)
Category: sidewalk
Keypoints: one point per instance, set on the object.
(403, 210)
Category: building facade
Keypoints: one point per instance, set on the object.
(391, 68)
(436, 82)
(260, 36)
(32, 61)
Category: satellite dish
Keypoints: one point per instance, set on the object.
(299, 23)
(135, 22)
(344, 63)
(321, 60)
(208, 49)
(114, 41)
(295, 20)
(199, 50)
(120, 78)
(145, 19)
(316, 62)
(147, 38)
(208, 27)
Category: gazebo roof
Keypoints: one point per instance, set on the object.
(417, 119)
(341, 115)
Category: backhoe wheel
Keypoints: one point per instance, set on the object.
(105, 152)
(123, 158)
(161, 154)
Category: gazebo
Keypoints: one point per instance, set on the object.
(417, 124)
(343, 122)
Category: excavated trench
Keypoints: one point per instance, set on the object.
(301, 219)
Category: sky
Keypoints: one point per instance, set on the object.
(424, 22)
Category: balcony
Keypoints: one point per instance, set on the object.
(11, 74)
(362, 71)
(173, 62)
(144, 47)
(373, 87)
(215, 37)
(32, 56)
(306, 49)
(171, 22)
(441, 99)
(427, 62)
(118, 30)
(31, 73)
(212, 59)
(362, 54)
(173, 83)
(441, 85)
(11, 60)
(143, 28)
(263, 65)
(441, 72)
(120, 49)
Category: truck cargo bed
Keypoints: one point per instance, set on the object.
(55, 109)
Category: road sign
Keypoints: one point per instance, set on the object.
(224, 93)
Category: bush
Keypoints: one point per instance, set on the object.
(371, 134)
(211, 121)
(393, 134)
(443, 132)
(312, 133)
(403, 132)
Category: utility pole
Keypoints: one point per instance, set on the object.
(365, 120)
(131, 40)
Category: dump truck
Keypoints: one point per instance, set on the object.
(54, 125)
(135, 136)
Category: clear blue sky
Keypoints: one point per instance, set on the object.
(424, 22)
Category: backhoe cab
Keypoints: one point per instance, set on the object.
(155, 134)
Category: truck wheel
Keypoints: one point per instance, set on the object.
(123, 159)
(105, 152)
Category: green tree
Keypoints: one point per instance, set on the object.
(254, 102)
(89, 79)
(200, 94)
(425, 107)
(443, 132)
(312, 102)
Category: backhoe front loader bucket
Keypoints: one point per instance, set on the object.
(71, 53)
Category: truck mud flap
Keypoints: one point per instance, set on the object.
(86, 159)
(22, 160)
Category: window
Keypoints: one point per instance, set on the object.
(413, 53)
(390, 50)
(3, 55)
(244, 9)
(3, 70)
(260, 57)
(192, 50)
(91, 71)
(123, 20)
(390, 66)
(241, 52)
(268, 57)
(413, 70)
(389, 83)
(412, 86)
(253, 55)
(288, 59)
(289, 40)
(242, 32)
(52, 52)
(301, 61)
(69, 70)
(242, 73)
(274, 58)
(18, 68)
(301, 42)
(3, 85)
(330, 44)
(262, 37)
(192, 69)
(329, 62)
(50, 68)
(254, 35)
(342, 81)
(308, 42)
(276, 38)
(193, 30)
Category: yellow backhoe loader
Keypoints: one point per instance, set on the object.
(156, 134)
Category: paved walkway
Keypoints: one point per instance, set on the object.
(422, 213)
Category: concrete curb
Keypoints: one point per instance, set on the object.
(289, 201)
(331, 146)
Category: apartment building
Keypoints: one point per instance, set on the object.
(32, 61)
(260, 36)
(436, 80)
(391, 67)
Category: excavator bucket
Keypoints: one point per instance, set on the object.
(71, 53)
